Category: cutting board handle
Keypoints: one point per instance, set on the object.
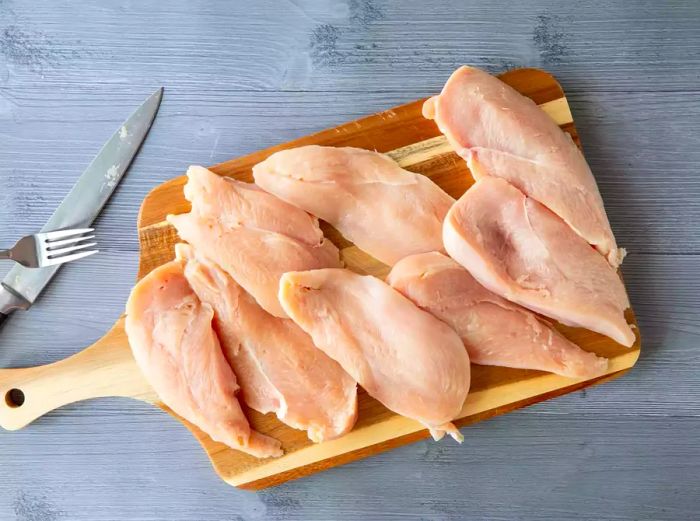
(106, 368)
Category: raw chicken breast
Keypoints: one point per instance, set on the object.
(173, 342)
(385, 210)
(404, 357)
(520, 250)
(502, 133)
(494, 330)
(278, 367)
(251, 234)
(236, 203)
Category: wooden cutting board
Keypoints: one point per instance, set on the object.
(107, 368)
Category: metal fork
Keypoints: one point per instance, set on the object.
(51, 248)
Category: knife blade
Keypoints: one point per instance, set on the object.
(21, 286)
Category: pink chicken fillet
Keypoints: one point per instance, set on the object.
(404, 357)
(172, 339)
(494, 330)
(252, 235)
(520, 250)
(383, 209)
(279, 368)
(502, 133)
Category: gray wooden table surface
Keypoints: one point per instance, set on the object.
(240, 76)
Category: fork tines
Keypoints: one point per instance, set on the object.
(65, 245)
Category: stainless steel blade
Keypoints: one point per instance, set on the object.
(21, 286)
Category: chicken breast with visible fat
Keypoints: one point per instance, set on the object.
(172, 339)
(502, 133)
(385, 210)
(251, 234)
(520, 250)
(278, 367)
(403, 356)
(494, 330)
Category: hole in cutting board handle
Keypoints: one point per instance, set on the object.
(14, 398)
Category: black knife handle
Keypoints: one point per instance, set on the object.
(3, 318)
(10, 301)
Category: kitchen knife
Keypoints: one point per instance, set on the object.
(21, 286)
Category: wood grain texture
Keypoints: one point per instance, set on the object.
(244, 75)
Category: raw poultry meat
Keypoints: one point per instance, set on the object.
(404, 357)
(171, 337)
(251, 234)
(385, 210)
(520, 250)
(494, 330)
(236, 203)
(278, 367)
(504, 134)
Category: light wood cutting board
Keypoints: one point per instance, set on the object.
(107, 368)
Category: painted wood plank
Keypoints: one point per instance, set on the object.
(353, 45)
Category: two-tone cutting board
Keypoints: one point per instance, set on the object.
(107, 368)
